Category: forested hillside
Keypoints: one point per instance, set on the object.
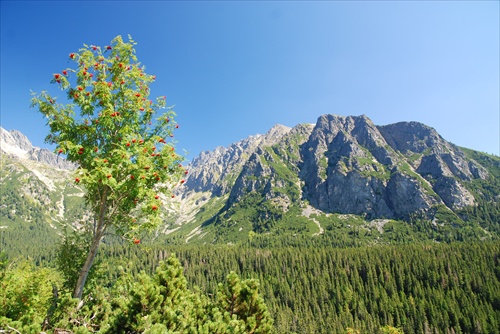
(418, 288)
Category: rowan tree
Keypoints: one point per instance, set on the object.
(120, 139)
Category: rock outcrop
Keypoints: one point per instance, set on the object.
(16, 145)
(343, 165)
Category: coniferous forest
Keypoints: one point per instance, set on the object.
(406, 288)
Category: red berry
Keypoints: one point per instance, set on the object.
(185, 172)
(77, 180)
(72, 55)
(156, 197)
(108, 47)
(108, 176)
(80, 88)
(65, 72)
(177, 126)
(132, 177)
(138, 95)
(182, 181)
(173, 196)
(154, 207)
(133, 140)
(60, 151)
(127, 144)
(136, 241)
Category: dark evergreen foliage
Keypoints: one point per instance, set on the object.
(419, 287)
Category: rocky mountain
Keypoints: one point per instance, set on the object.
(16, 145)
(37, 197)
(349, 165)
(339, 166)
(338, 178)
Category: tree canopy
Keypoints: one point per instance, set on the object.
(109, 126)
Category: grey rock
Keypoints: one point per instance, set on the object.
(344, 165)
(16, 145)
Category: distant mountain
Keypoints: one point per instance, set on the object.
(37, 197)
(402, 172)
(339, 180)
(16, 145)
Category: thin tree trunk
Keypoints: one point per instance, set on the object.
(98, 234)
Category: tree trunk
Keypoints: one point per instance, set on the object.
(98, 234)
(82, 278)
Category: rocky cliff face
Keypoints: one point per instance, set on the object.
(216, 170)
(343, 165)
(352, 166)
(16, 145)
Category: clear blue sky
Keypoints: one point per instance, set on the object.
(233, 69)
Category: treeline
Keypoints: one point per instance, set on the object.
(419, 288)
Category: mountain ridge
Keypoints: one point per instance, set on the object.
(304, 178)
(16, 145)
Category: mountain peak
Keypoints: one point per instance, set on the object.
(15, 144)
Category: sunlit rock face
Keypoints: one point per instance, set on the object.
(342, 165)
